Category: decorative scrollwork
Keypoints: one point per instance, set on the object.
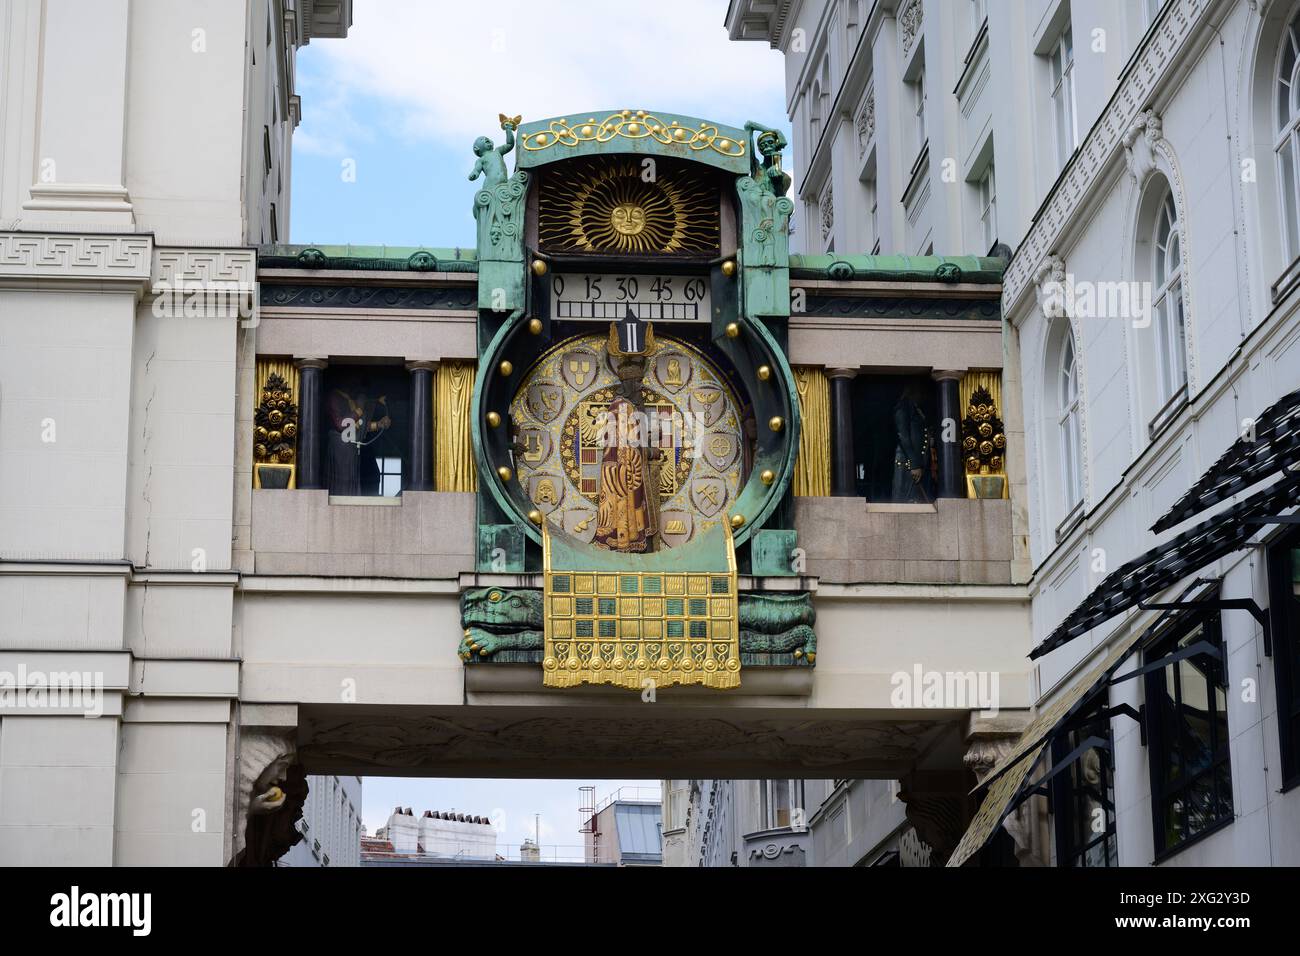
(633, 124)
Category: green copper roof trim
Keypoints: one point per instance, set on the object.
(943, 269)
(366, 258)
(634, 130)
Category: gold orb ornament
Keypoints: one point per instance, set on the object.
(539, 267)
(776, 423)
(729, 267)
(535, 516)
(764, 373)
(737, 520)
(493, 419)
(506, 368)
(535, 326)
(733, 330)
(504, 473)
(768, 476)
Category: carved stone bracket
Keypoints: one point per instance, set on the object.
(1049, 286)
(983, 754)
(271, 794)
(1140, 141)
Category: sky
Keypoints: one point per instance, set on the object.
(383, 154)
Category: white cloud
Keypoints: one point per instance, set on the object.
(449, 68)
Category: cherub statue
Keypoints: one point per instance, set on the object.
(768, 144)
(491, 162)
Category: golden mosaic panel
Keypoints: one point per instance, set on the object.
(637, 627)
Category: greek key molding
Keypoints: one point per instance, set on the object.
(204, 265)
(1103, 142)
(26, 255)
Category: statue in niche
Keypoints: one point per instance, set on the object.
(627, 501)
(356, 421)
(912, 475)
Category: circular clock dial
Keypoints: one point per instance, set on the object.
(690, 414)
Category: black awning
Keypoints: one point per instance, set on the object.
(1273, 446)
(1164, 566)
(1010, 781)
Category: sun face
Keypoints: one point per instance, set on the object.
(628, 219)
(611, 207)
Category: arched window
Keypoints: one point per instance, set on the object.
(1287, 134)
(1067, 423)
(1167, 301)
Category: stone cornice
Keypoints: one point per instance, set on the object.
(1102, 144)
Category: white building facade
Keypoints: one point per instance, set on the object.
(330, 824)
(142, 145)
(1138, 162)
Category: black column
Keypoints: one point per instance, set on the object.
(843, 479)
(952, 479)
(419, 473)
(310, 411)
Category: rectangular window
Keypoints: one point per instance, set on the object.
(874, 212)
(1063, 102)
(988, 199)
(1284, 610)
(1187, 727)
(1083, 799)
(275, 226)
(918, 108)
(365, 429)
(894, 438)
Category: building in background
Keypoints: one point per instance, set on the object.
(330, 824)
(1136, 161)
(436, 833)
(624, 829)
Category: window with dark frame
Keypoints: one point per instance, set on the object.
(895, 433)
(1284, 612)
(1187, 732)
(1083, 795)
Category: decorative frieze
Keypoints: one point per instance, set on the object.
(42, 256)
(828, 211)
(1153, 62)
(866, 122)
(203, 266)
(909, 25)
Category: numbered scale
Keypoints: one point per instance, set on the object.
(604, 297)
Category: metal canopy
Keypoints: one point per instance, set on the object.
(1164, 566)
(1273, 447)
(1010, 778)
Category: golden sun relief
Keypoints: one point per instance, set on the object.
(626, 208)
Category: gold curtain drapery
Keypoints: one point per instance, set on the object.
(285, 368)
(454, 468)
(812, 469)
